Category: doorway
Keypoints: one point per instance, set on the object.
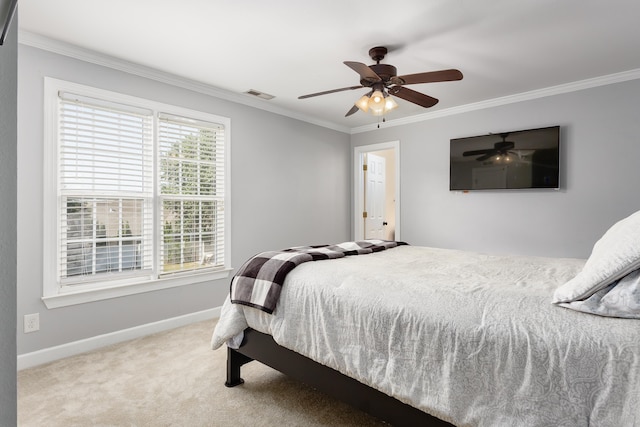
(377, 191)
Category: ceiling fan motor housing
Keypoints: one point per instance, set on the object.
(385, 71)
(504, 145)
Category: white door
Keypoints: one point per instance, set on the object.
(375, 197)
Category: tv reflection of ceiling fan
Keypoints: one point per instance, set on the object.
(500, 149)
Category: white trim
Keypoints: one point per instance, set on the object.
(358, 185)
(98, 294)
(40, 42)
(29, 360)
(50, 190)
(510, 99)
(358, 194)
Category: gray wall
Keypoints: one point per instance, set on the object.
(8, 152)
(600, 151)
(290, 186)
(287, 188)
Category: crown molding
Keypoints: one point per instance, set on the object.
(66, 49)
(510, 99)
(62, 48)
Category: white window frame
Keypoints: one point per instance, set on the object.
(56, 294)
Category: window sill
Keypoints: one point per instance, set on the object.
(92, 295)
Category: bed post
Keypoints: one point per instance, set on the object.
(235, 360)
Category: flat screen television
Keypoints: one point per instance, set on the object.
(520, 159)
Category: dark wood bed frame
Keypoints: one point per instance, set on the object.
(262, 347)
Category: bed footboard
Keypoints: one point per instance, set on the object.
(262, 347)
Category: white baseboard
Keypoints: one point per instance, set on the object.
(51, 354)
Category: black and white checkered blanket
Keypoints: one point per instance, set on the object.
(259, 281)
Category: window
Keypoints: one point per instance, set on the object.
(136, 196)
(192, 193)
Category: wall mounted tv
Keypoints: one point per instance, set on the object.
(510, 160)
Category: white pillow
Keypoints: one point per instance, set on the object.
(615, 255)
(619, 299)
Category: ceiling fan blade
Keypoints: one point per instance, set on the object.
(486, 156)
(431, 77)
(330, 91)
(410, 95)
(365, 72)
(352, 111)
(478, 152)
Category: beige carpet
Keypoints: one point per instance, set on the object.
(170, 379)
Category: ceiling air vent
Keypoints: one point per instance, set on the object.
(259, 94)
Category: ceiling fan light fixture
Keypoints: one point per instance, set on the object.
(377, 103)
(376, 97)
(389, 104)
(363, 103)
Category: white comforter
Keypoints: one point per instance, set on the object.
(472, 339)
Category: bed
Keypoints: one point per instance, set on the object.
(428, 336)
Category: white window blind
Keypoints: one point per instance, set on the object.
(135, 195)
(192, 190)
(105, 190)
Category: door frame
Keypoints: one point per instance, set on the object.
(358, 185)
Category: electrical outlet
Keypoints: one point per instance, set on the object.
(31, 322)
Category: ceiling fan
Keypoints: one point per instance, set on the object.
(384, 81)
(500, 148)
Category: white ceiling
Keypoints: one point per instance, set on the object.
(289, 48)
